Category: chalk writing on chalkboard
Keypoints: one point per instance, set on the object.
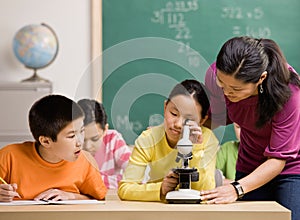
(238, 13)
(178, 39)
(173, 16)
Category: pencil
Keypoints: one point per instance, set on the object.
(3, 181)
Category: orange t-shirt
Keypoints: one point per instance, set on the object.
(21, 164)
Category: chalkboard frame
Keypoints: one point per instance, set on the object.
(96, 48)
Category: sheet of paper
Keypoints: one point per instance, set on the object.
(75, 202)
(49, 202)
(23, 202)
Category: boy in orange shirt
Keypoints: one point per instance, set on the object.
(54, 166)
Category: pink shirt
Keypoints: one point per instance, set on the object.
(279, 139)
(112, 157)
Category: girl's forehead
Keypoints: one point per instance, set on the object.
(91, 127)
(187, 106)
(182, 99)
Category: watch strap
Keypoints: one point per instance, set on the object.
(238, 188)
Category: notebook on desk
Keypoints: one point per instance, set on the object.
(50, 202)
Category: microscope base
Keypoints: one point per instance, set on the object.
(180, 196)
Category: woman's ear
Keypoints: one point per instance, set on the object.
(45, 141)
(202, 121)
(263, 76)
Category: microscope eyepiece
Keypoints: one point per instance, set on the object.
(186, 121)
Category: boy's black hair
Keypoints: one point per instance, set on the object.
(196, 89)
(93, 111)
(52, 113)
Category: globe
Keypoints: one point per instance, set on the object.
(35, 46)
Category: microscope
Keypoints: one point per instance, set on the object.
(185, 194)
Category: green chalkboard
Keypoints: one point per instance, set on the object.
(150, 45)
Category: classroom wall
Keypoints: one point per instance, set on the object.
(71, 21)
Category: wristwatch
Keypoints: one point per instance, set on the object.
(238, 188)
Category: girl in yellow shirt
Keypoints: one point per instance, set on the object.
(156, 149)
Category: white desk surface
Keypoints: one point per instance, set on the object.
(114, 209)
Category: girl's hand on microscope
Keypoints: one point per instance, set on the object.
(195, 132)
(169, 183)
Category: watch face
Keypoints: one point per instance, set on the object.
(240, 190)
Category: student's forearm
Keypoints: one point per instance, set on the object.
(140, 192)
(262, 174)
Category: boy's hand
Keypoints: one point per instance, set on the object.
(8, 192)
(55, 195)
(169, 183)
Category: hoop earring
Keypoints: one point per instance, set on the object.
(261, 89)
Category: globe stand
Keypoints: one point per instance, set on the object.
(35, 78)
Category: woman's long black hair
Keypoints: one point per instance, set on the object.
(246, 59)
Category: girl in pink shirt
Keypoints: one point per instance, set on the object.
(106, 145)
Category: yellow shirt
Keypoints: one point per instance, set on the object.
(152, 149)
